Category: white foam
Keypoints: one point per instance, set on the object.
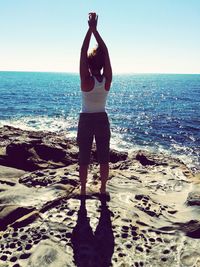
(42, 123)
(183, 153)
(69, 125)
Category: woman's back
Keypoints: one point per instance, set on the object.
(95, 100)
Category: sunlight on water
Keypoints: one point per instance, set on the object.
(156, 112)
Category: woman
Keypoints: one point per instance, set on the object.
(96, 77)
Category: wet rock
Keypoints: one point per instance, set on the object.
(116, 156)
(144, 160)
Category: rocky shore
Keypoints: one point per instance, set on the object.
(151, 219)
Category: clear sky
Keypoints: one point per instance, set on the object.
(143, 36)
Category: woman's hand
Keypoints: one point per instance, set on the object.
(92, 21)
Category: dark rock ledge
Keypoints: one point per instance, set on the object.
(29, 150)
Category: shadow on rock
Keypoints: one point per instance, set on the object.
(93, 249)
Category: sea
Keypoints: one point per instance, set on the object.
(155, 112)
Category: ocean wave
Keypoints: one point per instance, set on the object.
(187, 155)
(42, 123)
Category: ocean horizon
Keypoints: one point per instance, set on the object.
(114, 73)
(154, 111)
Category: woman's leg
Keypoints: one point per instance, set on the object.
(102, 138)
(83, 171)
(84, 139)
(104, 173)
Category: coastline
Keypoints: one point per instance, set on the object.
(152, 218)
(160, 115)
(63, 128)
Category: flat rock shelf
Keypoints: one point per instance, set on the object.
(151, 217)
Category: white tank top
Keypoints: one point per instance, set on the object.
(95, 100)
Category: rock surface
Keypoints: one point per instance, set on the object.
(151, 219)
(193, 198)
(31, 151)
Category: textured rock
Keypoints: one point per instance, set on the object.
(144, 160)
(9, 214)
(116, 156)
(48, 254)
(191, 228)
(50, 152)
(143, 222)
(193, 198)
(28, 150)
(10, 173)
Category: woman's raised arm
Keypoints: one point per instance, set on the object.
(84, 71)
(107, 71)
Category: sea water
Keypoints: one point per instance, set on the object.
(158, 112)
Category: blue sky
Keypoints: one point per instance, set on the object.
(143, 36)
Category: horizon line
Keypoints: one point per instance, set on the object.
(114, 73)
